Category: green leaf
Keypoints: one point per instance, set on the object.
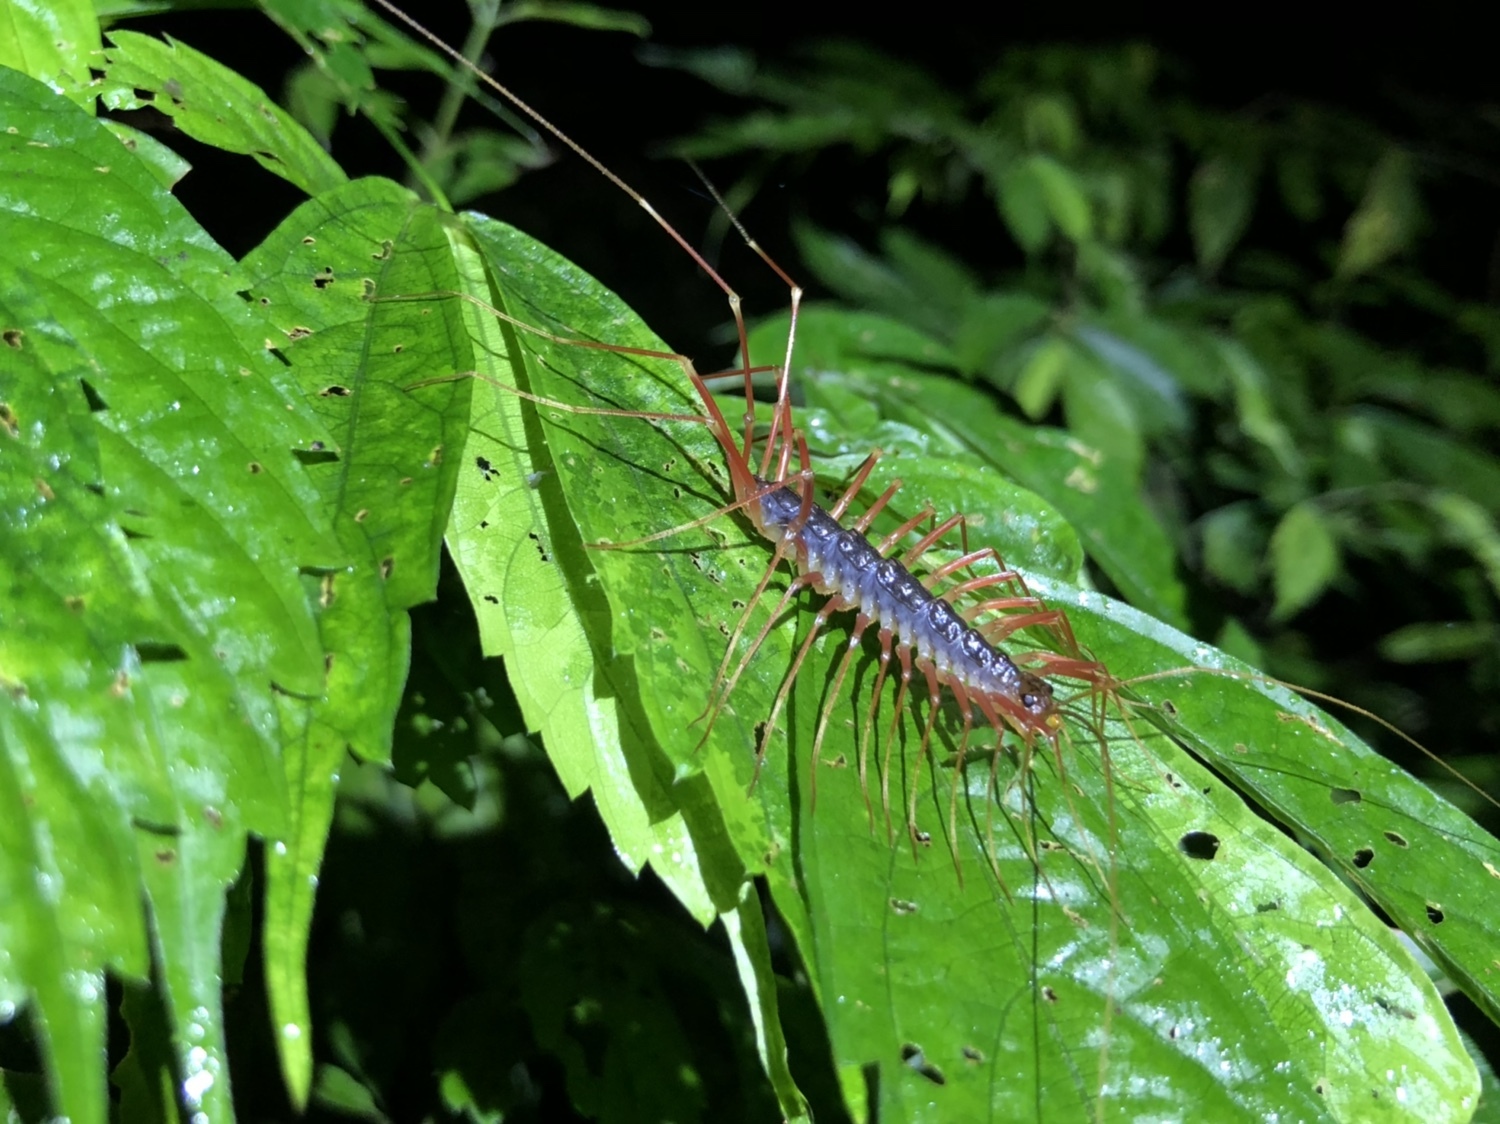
(157, 481)
(590, 16)
(1067, 204)
(166, 164)
(1042, 376)
(1299, 763)
(1234, 542)
(1387, 216)
(1102, 417)
(55, 43)
(1221, 198)
(212, 103)
(516, 542)
(1438, 641)
(1256, 409)
(1304, 559)
(389, 469)
(1023, 205)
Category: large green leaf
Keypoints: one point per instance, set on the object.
(158, 523)
(1092, 933)
(385, 481)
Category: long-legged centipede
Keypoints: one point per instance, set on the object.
(924, 631)
(1140, 991)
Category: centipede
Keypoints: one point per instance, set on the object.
(1126, 938)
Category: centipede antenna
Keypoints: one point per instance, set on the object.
(780, 417)
(783, 386)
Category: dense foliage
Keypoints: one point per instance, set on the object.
(299, 614)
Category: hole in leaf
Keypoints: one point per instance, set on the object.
(1345, 795)
(334, 391)
(540, 549)
(1434, 913)
(255, 468)
(1169, 708)
(385, 250)
(144, 95)
(912, 1055)
(1397, 838)
(318, 455)
(1199, 845)
(386, 566)
(361, 515)
(152, 651)
(323, 278)
(1048, 994)
(1268, 907)
(166, 856)
(486, 469)
(492, 599)
(96, 402)
(1363, 857)
(760, 740)
(309, 241)
(13, 337)
(299, 333)
(9, 420)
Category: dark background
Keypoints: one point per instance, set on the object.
(1421, 79)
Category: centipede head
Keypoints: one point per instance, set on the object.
(1040, 701)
